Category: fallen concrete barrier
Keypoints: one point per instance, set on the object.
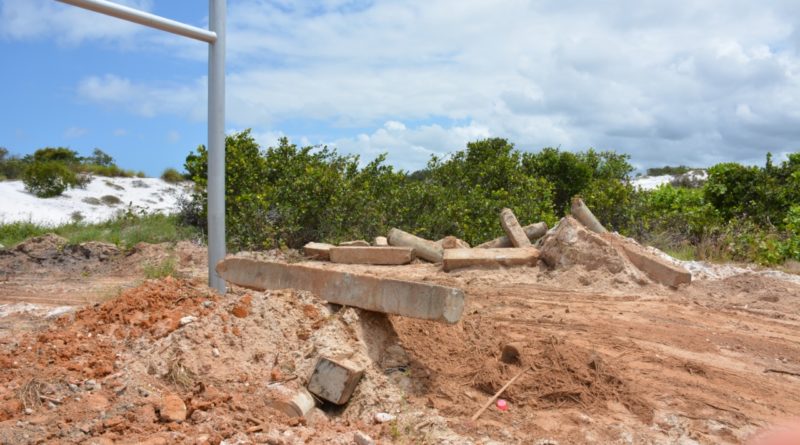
(585, 216)
(425, 249)
(318, 251)
(372, 255)
(513, 230)
(533, 232)
(656, 268)
(334, 380)
(512, 256)
(407, 298)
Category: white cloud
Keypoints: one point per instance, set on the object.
(146, 100)
(28, 19)
(173, 136)
(119, 132)
(75, 132)
(668, 82)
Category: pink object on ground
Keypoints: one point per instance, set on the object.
(502, 405)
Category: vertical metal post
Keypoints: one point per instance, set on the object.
(216, 143)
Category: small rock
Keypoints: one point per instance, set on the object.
(90, 384)
(362, 439)
(208, 304)
(188, 319)
(28, 411)
(384, 417)
(172, 409)
(143, 392)
(215, 352)
(73, 387)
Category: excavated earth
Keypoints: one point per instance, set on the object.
(612, 357)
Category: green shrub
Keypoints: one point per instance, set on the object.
(110, 200)
(47, 179)
(172, 176)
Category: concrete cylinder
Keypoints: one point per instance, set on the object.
(582, 213)
(425, 249)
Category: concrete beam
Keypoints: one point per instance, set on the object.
(512, 256)
(533, 231)
(407, 298)
(656, 268)
(513, 230)
(425, 249)
(372, 255)
(585, 216)
(318, 251)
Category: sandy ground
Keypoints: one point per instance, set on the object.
(610, 361)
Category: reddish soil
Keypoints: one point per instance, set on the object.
(608, 360)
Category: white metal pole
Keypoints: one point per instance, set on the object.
(144, 18)
(216, 144)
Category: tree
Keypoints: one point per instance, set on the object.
(99, 157)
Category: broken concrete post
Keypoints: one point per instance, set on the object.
(359, 242)
(513, 256)
(318, 251)
(425, 249)
(533, 231)
(513, 230)
(334, 381)
(380, 241)
(407, 298)
(451, 242)
(372, 255)
(585, 216)
(657, 269)
(296, 404)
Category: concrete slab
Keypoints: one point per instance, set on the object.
(334, 380)
(407, 298)
(372, 255)
(656, 268)
(513, 230)
(318, 251)
(358, 242)
(512, 256)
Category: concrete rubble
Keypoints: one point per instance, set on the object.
(425, 249)
(378, 255)
(517, 256)
(513, 230)
(335, 380)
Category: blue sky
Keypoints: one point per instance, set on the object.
(680, 82)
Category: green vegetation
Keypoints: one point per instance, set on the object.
(288, 195)
(162, 269)
(668, 170)
(125, 231)
(50, 171)
(172, 176)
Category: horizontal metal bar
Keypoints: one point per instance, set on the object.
(144, 18)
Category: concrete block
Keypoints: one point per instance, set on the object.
(585, 216)
(318, 251)
(656, 268)
(334, 380)
(390, 296)
(359, 242)
(380, 241)
(293, 404)
(425, 249)
(512, 256)
(372, 255)
(451, 242)
(513, 230)
(533, 231)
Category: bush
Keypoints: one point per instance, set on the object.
(172, 176)
(47, 179)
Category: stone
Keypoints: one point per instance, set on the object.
(317, 251)
(172, 409)
(383, 417)
(513, 230)
(425, 249)
(511, 352)
(533, 231)
(657, 269)
(585, 216)
(372, 255)
(390, 296)
(380, 241)
(334, 380)
(188, 319)
(294, 404)
(505, 257)
(362, 439)
(451, 242)
(356, 243)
